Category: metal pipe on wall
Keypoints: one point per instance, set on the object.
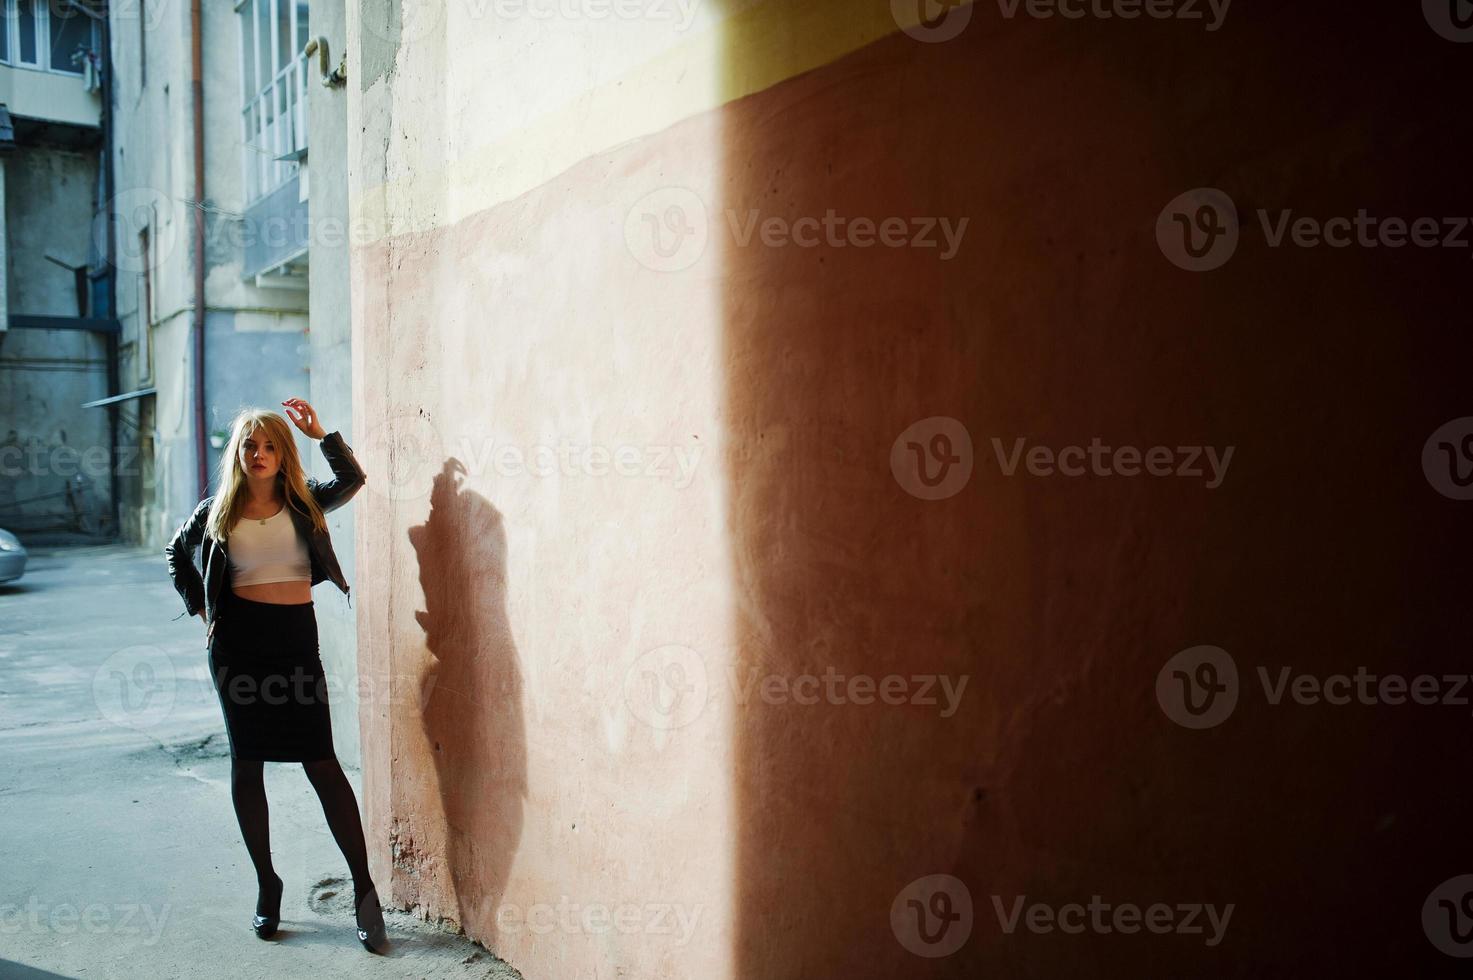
(196, 91)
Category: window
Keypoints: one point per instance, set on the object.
(26, 31)
(71, 32)
(273, 73)
(49, 34)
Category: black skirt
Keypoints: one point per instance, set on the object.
(267, 672)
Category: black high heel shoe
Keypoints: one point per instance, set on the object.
(369, 918)
(264, 926)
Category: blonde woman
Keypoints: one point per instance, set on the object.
(264, 545)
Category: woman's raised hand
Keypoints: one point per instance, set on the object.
(305, 417)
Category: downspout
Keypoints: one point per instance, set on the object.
(197, 96)
(110, 263)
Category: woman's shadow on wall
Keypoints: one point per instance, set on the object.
(472, 715)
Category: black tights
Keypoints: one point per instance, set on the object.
(248, 792)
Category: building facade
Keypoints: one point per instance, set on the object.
(57, 331)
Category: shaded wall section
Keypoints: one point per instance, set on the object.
(1059, 777)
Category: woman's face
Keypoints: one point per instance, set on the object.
(259, 456)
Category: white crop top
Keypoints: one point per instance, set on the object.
(268, 550)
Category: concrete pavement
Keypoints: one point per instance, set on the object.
(121, 854)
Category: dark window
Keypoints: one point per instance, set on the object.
(27, 31)
(71, 29)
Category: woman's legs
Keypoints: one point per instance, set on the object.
(248, 793)
(341, 809)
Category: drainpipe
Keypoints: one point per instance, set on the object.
(197, 96)
(109, 266)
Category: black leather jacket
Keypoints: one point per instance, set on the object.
(348, 479)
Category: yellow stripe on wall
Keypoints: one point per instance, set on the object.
(750, 46)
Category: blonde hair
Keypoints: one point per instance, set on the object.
(230, 499)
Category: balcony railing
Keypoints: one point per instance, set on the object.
(274, 130)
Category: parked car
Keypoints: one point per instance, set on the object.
(12, 557)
